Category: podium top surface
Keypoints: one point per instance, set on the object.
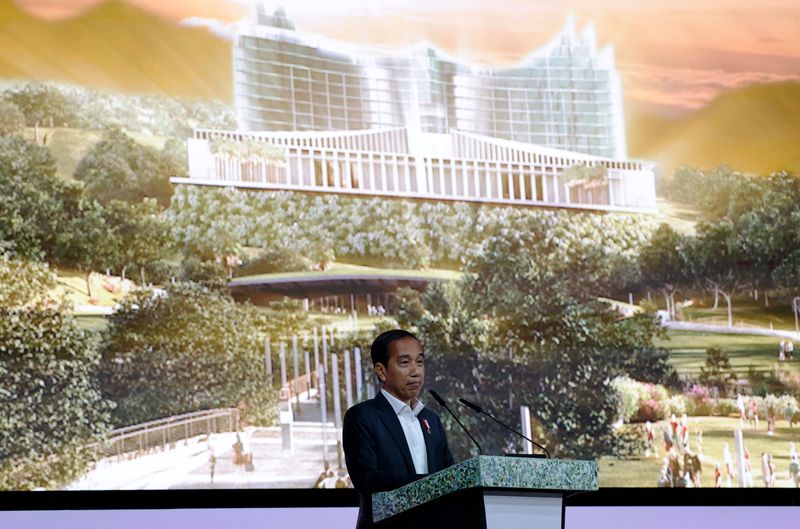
(496, 472)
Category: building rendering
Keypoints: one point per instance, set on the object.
(565, 95)
(318, 115)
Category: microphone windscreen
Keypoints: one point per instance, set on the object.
(436, 396)
(471, 405)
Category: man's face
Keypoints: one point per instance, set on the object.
(404, 372)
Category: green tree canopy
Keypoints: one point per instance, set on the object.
(12, 120)
(184, 349)
(35, 201)
(42, 104)
(51, 402)
(119, 168)
(525, 327)
(664, 264)
(91, 241)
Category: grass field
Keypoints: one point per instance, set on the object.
(747, 312)
(351, 269)
(643, 472)
(689, 350)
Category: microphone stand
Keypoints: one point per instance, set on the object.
(504, 425)
(441, 401)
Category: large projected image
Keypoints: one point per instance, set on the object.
(586, 213)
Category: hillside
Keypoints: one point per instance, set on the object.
(754, 129)
(69, 146)
(116, 46)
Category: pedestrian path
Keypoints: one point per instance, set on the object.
(187, 464)
(724, 329)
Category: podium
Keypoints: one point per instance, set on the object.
(487, 492)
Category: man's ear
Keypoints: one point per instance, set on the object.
(380, 370)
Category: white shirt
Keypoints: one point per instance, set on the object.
(412, 429)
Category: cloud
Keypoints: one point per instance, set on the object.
(687, 88)
(220, 28)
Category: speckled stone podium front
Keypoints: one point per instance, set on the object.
(495, 472)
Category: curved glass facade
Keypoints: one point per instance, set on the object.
(564, 96)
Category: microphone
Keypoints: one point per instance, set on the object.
(441, 401)
(504, 425)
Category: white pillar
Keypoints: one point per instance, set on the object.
(283, 364)
(337, 407)
(323, 408)
(337, 400)
(316, 352)
(525, 416)
(308, 373)
(738, 443)
(359, 374)
(296, 366)
(268, 358)
(325, 348)
(348, 379)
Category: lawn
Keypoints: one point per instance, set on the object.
(747, 312)
(689, 350)
(643, 472)
(71, 287)
(339, 269)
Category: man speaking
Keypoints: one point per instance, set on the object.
(392, 440)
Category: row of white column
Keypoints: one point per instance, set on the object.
(327, 366)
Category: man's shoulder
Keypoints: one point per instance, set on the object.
(427, 412)
(364, 408)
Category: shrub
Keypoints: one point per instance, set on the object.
(159, 272)
(650, 410)
(628, 391)
(726, 407)
(675, 405)
(698, 401)
(274, 261)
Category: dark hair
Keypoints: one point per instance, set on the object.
(380, 347)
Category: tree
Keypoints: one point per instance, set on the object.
(786, 277)
(664, 264)
(35, 202)
(90, 241)
(525, 326)
(718, 193)
(118, 168)
(761, 239)
(717, 371)
(142, 234)
(718, 262)
(184, 349)
(52, 408)
(12, 120)
(43, 104)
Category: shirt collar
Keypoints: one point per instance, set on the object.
(398, 405)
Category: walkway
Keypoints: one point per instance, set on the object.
(186, 464)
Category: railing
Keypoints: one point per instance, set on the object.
(162, 433)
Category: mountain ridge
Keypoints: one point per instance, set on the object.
(754, 129)
(116, 46)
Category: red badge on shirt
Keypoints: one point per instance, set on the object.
(427, 426)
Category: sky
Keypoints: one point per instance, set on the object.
(674, 56)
